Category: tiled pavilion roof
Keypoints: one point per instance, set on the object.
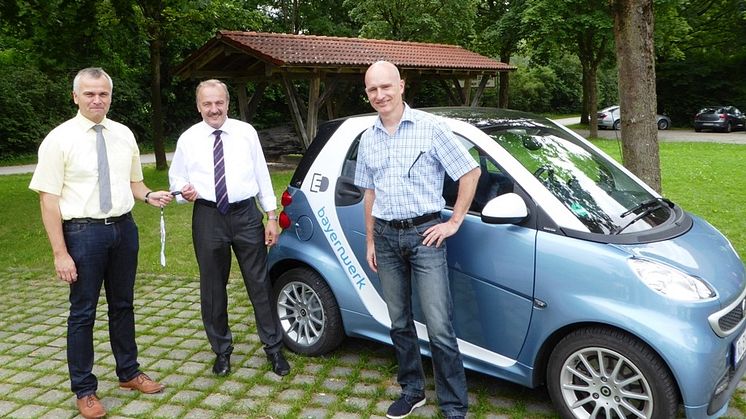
(232, 54)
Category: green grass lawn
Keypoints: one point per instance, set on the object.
(705, 179)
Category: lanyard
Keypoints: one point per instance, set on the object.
(163, 239)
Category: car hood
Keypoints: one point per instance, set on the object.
(702, 252)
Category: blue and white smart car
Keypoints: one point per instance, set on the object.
(568, 271)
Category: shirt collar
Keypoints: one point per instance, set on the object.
(87, 124)
(209, 130)
(407, 116)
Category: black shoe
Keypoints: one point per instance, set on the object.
(279, 365)
(222, 365)
(404, 406)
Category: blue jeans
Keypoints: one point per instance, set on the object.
(404, 262)
(104, 255)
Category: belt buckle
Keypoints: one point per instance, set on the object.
(108, 221)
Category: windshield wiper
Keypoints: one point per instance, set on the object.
(655, 202)
(649, 207)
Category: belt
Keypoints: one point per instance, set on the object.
(231, 206)
(412, 222)
(107, 220)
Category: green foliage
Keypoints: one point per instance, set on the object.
(442, 21)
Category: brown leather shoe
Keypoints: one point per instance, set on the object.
(91, 407)
(143, 384)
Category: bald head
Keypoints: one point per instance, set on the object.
(385, 88)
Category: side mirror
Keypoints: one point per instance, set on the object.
(508, 208)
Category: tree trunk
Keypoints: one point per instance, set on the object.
(503, 98)
(156, 116)
(633, 32)
(584, 95)
(592, 100)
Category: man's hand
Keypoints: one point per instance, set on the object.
(65, 267)
(439, 232)
(271, 233)
(370, 256)
(189, 193)
(160, 198)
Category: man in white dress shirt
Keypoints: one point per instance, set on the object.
(220, 167)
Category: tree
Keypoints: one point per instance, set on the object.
(443, 21)
(633, 34)
(498, 33)
(582, 27)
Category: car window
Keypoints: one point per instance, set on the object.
(492, 180)
(600, 195)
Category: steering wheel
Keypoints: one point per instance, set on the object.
(545, 173)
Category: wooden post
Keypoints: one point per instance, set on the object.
(480, 90)
(295, 111)
(466, 91)
(242, 101)
(254, 101)
(312, 121)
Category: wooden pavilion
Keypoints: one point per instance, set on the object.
(262, 58)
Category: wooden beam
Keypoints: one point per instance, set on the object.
(254, 101)
(452, 99)
(467, 91)
(312, 121)
(459, 91)
(480, 91)
(242, 101)
(292, 96)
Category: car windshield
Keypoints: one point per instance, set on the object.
(601, 196)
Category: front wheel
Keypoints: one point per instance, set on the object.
(662, 124)
(604, 373)
(308, 312)
(616, 125)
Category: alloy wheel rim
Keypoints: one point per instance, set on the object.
(597, 382)
(301, 313)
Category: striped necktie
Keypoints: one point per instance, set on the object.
(221, 190)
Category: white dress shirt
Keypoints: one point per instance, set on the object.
(246, 172)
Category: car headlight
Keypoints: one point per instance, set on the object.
(670, 282)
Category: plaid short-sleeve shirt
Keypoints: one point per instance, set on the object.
(407, 169)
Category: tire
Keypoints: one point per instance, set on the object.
(578, 392)
(616, 125)
(728, 128)
(308, 312)
(662, 125)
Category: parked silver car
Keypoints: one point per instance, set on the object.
(609, 118)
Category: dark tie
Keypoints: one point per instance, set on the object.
(104, 184)
(221, 191)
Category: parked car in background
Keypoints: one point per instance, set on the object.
(609, 118)
(567, 271)
(719, 118)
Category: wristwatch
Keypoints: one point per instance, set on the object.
(147, 195)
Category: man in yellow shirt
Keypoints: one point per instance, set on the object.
(88, 177)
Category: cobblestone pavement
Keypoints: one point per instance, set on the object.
(356, 381)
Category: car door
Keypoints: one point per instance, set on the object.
(491, 266)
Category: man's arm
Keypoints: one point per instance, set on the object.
(155, 198)
(467, 186)
(370, 247)
(51, 217)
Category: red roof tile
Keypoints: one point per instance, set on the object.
(293, 50)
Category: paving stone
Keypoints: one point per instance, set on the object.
(232, 387)
(7, 406)
(56, 413)
(313, 413)
(53, 396)
(357, 402)
(346, 415)
(168, 411)
(28, 411)
(260, 391)
(303, 379)
(323, 399)
(341, 372)
(137, 407)
(278, 409)
(202, 383)
(175, 380)
(187, 396)
(217, 400)
(199, 414)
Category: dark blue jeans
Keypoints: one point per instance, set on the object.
(404, 262)
(103, 254)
